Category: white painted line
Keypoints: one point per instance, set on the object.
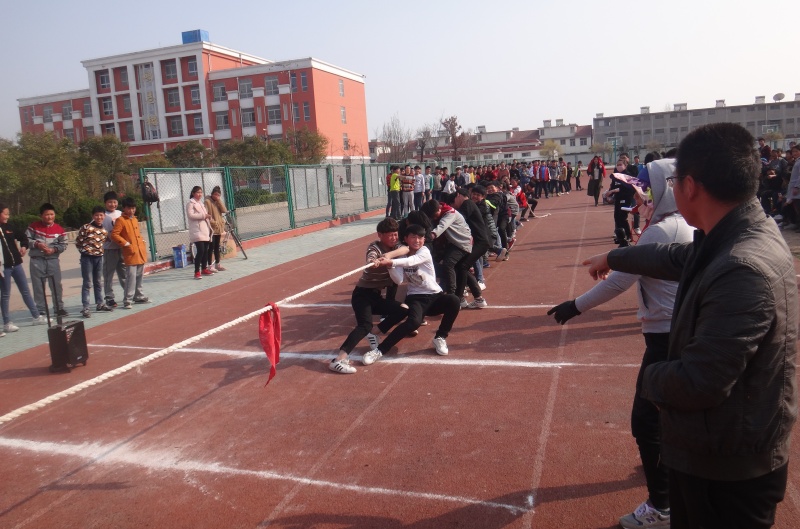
(154, 460)
(347, 305)
(413, 360)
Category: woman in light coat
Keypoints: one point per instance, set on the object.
(199, 231)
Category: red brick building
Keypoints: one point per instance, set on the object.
(198, 91)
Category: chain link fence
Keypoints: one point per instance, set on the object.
(263, 200)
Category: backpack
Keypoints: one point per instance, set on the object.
(149, 193)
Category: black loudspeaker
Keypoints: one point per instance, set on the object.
(67, 339)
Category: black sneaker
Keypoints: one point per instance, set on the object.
(103, 308)
(86, 313)
(141, 300)
(110, 303)
(62, 313)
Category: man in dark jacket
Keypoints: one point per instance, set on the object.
(480, 244)
(727, 391)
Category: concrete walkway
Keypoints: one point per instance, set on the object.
(172, 284)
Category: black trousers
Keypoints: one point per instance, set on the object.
(451, 256)
(201, 248)
(462, 271)
(419, 306)
(645, 425)
(212, 255)
(699, 503)
(367, 302)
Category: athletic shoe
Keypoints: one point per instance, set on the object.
(645, 516)
(197, 275)
(413, 333)
(482, 285)
(128, 305)
(220, 268)
(2, 334)
(10, 327)
(511, 242)
(141, 300)
(424, 323)
(41, 320)
(341, 366)
(501, 255)
(103, 308)
(62, 312)
(637, 231)
(778, 217)
(207, 272)
(110, 303)
(506, 257)
(373, 341)
(371, 357)
(464, 303)
(479, 303)
(86, 313)
(441, 346)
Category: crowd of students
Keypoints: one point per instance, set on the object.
(779, 187)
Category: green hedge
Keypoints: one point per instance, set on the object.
(79, 213)
(254, 197)
(20, 223)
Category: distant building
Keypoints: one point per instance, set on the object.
(198, 91)
(776, 121)
(482, 147)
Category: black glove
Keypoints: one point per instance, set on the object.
(564, 312)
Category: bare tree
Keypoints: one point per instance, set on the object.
(453, 130)
(395, 137)
(427, 139)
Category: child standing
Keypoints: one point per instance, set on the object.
(46, 241)
(90, 240)
(112, 257)
(127, 235)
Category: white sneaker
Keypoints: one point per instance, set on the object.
(637, 231)
(482, 285)
(479, 303)
(2, 334)
(645, 516)
(441, 346)
(41, 320)
(501, 255)
(10, 327)
(341, 366)
(371, 357)
(464, 303)
(373, 341)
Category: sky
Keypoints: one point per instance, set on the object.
(501, 64)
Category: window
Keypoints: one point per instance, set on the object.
(487, 157)
(222, 120)
(47, 114)
(129, 130)
(285, 112)
(195, 94)
(88, 132)
(637, 118)
(572, 142)
(248, 117)
(674, 115)
(123, 78)
(219, 93)
(271, 85)
(622, 120)
(583, 141)
(562, 142)
(275, 137)
(295, 112)
(126, 103)
(26, 116)
(673, 129)
(274, 115)
(173, 98)
(341, 87)
(623, 134)
(103, 80)
(170, 70)
(697, 113)
(108, 106)
(736, 110)
(306, 111)
(303, 82)
(751, 108)
(711, 112)
(87, 109)
(192, 67)
(245, 88)
(659, 131)
(66, 111)
(659, 116)
(176, 126)
(69, 133)
(108, 128)
(198, 123)
(526, 154)
(344, 115)
(345, 142)
(293, 82)
(510, 155)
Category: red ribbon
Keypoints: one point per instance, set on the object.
(269, 332)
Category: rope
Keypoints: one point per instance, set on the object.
(163, 352)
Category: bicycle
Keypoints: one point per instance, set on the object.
(230, 231)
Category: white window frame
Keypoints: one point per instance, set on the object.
(220, 92)
(303, 82)
(271, 85)
(306, 111)
(66, 111)
(173, 98)
(194, 93)
(296, 112)
(248, 117)
(108, 106)
(198, 124)
(221, 120)
(129, 132)
(176, 131)
(87, 109)
(274, 115)
(170, 70)
(341, 87)
(191, 66)
(123, 78)
(245, 88)
(293, 81)
(343, 113)
(126, 103)
(584, 142)
(108, 128)
(104, 80)
(345, 142)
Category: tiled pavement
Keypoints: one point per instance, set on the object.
(172, 284)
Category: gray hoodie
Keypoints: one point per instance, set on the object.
(656, 297)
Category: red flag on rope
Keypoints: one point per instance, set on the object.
(269, 332)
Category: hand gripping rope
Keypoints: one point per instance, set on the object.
(8, 417)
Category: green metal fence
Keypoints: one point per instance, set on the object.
(263, 200)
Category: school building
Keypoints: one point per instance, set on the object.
(198, 91)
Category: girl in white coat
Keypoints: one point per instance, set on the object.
(199, 231)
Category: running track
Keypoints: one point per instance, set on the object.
(525, 424)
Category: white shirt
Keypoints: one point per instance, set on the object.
(449, 187)
(416, 271)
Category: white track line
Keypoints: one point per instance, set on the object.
(347, 305)
(177, 462)
(413, 360)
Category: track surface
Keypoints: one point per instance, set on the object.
(525, 424)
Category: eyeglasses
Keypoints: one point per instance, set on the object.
(671, 180)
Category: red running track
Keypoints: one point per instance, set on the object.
(525, 424)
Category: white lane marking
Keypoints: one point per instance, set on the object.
(347, 305)
(176, 462)
(418, 360)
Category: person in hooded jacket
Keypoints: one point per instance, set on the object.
(656, 300)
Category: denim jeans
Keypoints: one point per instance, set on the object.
(18, 273)
(92, 272)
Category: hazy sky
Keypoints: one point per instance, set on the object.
(499, 63)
